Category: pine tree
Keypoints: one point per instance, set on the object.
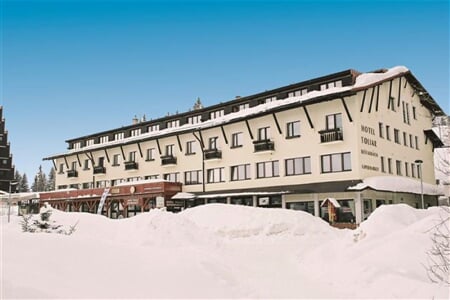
(40, 181)
(23, 184)
(51, 180)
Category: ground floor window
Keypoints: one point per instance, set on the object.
(248, 201)
(307, 206)
(269, 201)
(217, 200)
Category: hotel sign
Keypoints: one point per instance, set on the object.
(368, 138)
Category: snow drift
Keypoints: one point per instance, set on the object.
(222, 251)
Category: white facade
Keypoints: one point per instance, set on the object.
(301, 147)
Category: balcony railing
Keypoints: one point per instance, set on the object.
(168, 160)
(213, 154)
(72, 173)
(131, 165)
(99, 170)
(264, 145)
(331, 135)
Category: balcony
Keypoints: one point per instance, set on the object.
(99, 170)
(72, 173)
(331, 135)
(168, 160)
(131, 165)
(264, 145)
(213, 154)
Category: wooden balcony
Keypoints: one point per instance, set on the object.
(213, 154)
(72, 173)
(131, 165)
(168, 160)
(99, 170)
(264, 145)
(331, 135)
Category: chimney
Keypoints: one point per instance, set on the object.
(135, 120)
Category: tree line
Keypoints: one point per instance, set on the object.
(42, 182)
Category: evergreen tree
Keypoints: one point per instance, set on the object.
(23, 184)
(51, 180)
(40, 181)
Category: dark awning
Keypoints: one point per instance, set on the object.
(432, 136)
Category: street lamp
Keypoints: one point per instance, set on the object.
(419, 162)
(11, 183)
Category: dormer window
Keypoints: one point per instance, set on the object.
(216, 114)
(90, 142)
(173, 124)
(135, 132)
(194, 119)
(119, 136)
(77, 145)
(297, 93)
(330, 85)
(153, 128)
(104, 139)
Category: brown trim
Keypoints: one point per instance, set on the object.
(363, 100)
(399, 91)
(159, 146)
(123, 153)
(378, 97)
(179, 143)
(67, 164)
(371, 99)
(308, 117)
(390, 94)
(78, 158)
(107, 156)
(276, 123)
(140, 149)
(249, 129)
(346, 110)
(224, 135)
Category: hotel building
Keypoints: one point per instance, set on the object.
(359, 139)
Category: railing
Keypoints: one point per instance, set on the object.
(72, 173)
(99, 170)
(264, 145)
(168, 160)
(331, 135)
(213, 154)
(131, 165)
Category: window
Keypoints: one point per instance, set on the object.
(119, 136)
(74, 166)
(383, 168)
(240, 107)
(334, 121)
(411, 141)
(194, 119)
(293, 129)
(380, 129)
(173, 177)
(216, 114)
(169, 150)
(237, 140)
(414, 112)
(216, 175)
(101, 161)
(135, 132)
(77, 145)
(407, 113)
(388, 132)
(419, 174)
(267, 169)
(156, 176)
(417, 142)
(116, 158)
(193, 177)
(297, 93)
(264, 134)
(104, 139)
(270, 99)
(338, 162)
(398, 166)
(405, 139)
(190, 147)
(173, 124)
(413, 170)
(396, 136)
(298, 166)
(240, 172)
(90, 142)
(151, 154)
(132, 156)
(212, 143)
(406, 169)
(390, 165)
(329, 85)
(86, 164)
(61, 168)
(153, 128)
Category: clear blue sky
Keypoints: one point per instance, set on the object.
(71, 68)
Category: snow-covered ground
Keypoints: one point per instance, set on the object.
(222, 251)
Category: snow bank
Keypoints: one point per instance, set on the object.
(222, 251)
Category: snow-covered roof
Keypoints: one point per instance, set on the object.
(183, 196)
(396, 184)
(333, 201)
(363, 80)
